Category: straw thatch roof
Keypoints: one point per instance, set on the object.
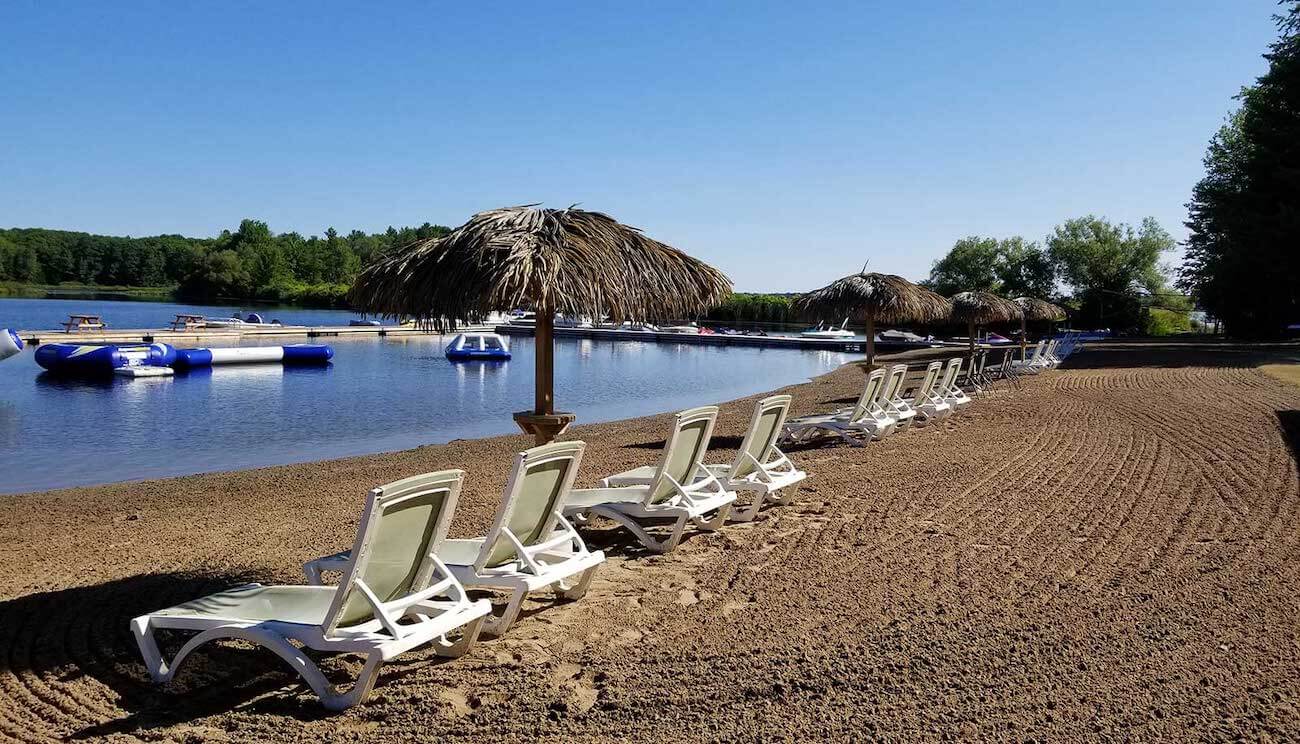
(1036, 309)
(885, 297)
(564, 260)
(982, 308)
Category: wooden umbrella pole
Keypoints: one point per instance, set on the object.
(1022, 336)
(544, 379)
(972, 340)
(871, 340)
(542, 421)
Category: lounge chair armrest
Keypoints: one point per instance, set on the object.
(336, 562)
(635, 477)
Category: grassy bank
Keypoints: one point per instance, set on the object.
(72, 289)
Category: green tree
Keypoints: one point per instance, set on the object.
(1025, 270)
(1011, 266)
(1110, 267)
(1244, 216)
(971, 264)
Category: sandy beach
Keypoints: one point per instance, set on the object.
(1110, 551)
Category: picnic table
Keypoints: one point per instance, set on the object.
(185, 322)
(84, 323)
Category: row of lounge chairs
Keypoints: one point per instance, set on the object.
(404, 584)
(882, 409)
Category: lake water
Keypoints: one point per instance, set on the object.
(379, 395)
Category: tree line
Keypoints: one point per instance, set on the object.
(250, 263)
(1107, 275)
(1243, 252)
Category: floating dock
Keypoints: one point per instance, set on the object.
(234, 335)
(707, 339)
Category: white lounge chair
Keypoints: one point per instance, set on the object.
(393, 597)
(681, 490)
(759, 466)
(927, 401)
(1050, 358)
(948, 387)
(530, 547)
(891, 398)
(856, 425)
(1034, 364)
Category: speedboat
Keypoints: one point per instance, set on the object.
(829, 331)
(478, 347)
(690, 328)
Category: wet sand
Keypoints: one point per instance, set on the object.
(1111, 551)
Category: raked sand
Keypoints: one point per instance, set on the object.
(1113, 550)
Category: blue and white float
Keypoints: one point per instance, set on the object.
(292, 354)
(10, 344)
(478, 346)
(156, 360)
(91, 360)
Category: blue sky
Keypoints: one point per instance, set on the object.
(786, 143)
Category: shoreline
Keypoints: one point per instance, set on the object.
(411, 452)
(999, 574)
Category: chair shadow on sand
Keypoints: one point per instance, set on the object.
(60, 639)
(1290, 421)
(716, 443)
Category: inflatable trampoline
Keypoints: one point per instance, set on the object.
(478, 346)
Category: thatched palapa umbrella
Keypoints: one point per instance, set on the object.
(884, 298)
(550, 260)
(981, 308)
(1032, 308)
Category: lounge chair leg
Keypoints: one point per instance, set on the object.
(748, 513)
(710, 525)
(162, 671)
(495, 625)
(153, 660)
(578, 590)
(657, 546)
(468, 637)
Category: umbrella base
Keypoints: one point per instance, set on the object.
(544, 426)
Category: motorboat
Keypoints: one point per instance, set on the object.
(829, 331)
(690, 328)
(478, 347)
(235, 321)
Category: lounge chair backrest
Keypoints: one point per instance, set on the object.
(532, 502)
(1038, 352)
(760, 438)
(931, 381)
(870, 392)
(950, 375)
(393, 556)
(895, 381)
(683, 452)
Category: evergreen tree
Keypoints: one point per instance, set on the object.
(1243, 254)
